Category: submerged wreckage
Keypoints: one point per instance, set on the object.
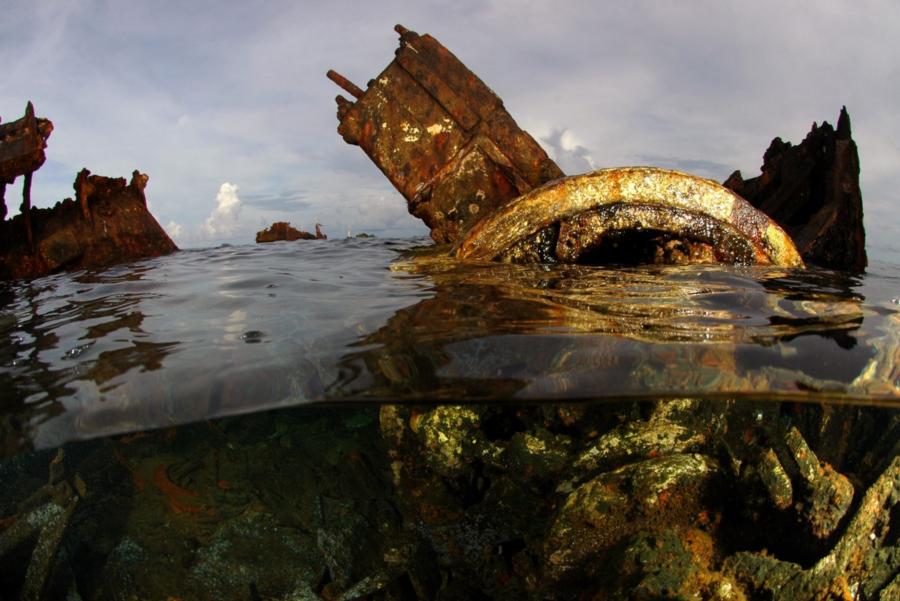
(446, 142)
(107, 223)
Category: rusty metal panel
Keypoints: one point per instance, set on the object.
(441, 136)
(22, 144)
(409, 146)
(482, 179)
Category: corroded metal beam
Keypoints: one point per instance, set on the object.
(441, 136)
(587, 207)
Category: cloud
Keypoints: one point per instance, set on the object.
(283, 200)
(223, 220)
(174, 229)
(572, 157)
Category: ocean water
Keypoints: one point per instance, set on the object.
(230, 415)
(206, 333)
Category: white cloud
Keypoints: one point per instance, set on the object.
(174, 229)
(564, 147)
(223, 220)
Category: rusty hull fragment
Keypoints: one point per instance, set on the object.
(657, 207)
(282, 230)
(108, 224)
(812, 191)
(441, 136)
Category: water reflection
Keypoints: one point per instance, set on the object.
(201, 334)
(553, 332)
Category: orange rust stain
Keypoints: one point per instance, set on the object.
(162, 482)
(172, 492)
(503, 185)
(748, 436)
(440, 141)
(368, 132)
(664, 497)
(699, 544)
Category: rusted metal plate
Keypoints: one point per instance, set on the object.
(586, 208)
(441, 136)
(812, 191)
(121, 229)
(22, 144)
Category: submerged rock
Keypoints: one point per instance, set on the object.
(828, 494)
(812, 191)
(670, 429)
(338, 503)
(672, 564)
(863, 560)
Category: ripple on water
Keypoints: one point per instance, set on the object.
(202, 333)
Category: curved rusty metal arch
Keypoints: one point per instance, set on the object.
(567, 197)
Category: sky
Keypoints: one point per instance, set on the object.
(226, 105)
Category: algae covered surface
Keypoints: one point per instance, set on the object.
(674, 499)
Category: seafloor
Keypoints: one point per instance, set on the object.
(674, 499)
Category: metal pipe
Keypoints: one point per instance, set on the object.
(347, 85)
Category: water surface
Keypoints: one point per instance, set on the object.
(206, 333)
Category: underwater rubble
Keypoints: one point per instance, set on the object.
(107, 223)
(674, 499)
